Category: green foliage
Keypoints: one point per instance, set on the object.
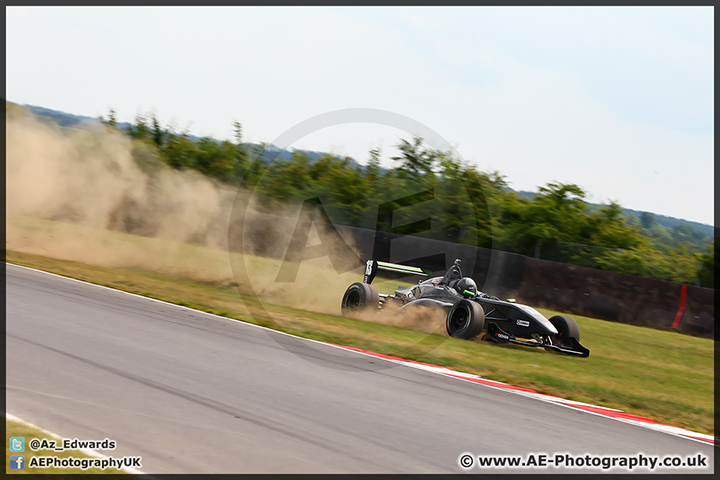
(648, 220)
(706, 272)
(111, 121)
(608, 228)
(140, 129)
(215, 159)
(465, 205)
(372, 171)
(539, 227)
(556, 225)
(283, 181)
(179, 151)
(222, 160)
(647, 262)
(338, 182)
(157, 133)
(415, 161)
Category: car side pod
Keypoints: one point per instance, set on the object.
(498, 335)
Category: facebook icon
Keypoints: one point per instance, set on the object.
(17, 462)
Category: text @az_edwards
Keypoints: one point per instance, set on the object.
(70, 444)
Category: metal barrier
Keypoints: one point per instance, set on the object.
(567, 288)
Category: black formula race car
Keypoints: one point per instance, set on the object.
(468, 313)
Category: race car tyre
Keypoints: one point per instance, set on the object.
(566, 327)
(466, 319)
(359, 297)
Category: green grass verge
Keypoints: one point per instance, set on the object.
(17, 429)
(663, 375)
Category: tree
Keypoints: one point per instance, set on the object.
(157, 134)
(140, 130)
(706, 269)
(372, 171)
(539, 226)
(340, 184)
(468, 205)
(241, 153)
(214, 158)
(255, 169)
(648, 220)
(111, 121)
(237, 132)
(414, 160)
(608, 228)
(286, 180)
(648, 262)
(180, 151)
(485, 192)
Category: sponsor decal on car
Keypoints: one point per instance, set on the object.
(523, 323)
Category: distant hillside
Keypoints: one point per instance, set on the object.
(61, 118)
(636, 215)
(672, 222)
(70, 120)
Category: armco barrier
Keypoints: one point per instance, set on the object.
(617, 297)
(558, 286)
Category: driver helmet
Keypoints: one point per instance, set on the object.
(466, 283)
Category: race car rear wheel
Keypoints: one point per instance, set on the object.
(566, 327)
(466, 319)
(359, 297)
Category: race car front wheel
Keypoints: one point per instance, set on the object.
(359, 297)
(466, 319)
(566, 327)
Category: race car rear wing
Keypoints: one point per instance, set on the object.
(372, 267)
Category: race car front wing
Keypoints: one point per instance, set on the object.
(497, 334)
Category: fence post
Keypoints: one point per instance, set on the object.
(678, 316)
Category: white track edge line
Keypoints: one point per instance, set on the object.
(682, 433)
(690, 435)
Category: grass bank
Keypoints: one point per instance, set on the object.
(663, 375)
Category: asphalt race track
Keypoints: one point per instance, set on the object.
(195, 393)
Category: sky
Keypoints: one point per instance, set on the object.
(618, 100)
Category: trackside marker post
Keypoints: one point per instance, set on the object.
(681, 309)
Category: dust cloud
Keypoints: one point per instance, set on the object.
(70, 190)
(93, 195)
(89, 177)
(422, 318)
